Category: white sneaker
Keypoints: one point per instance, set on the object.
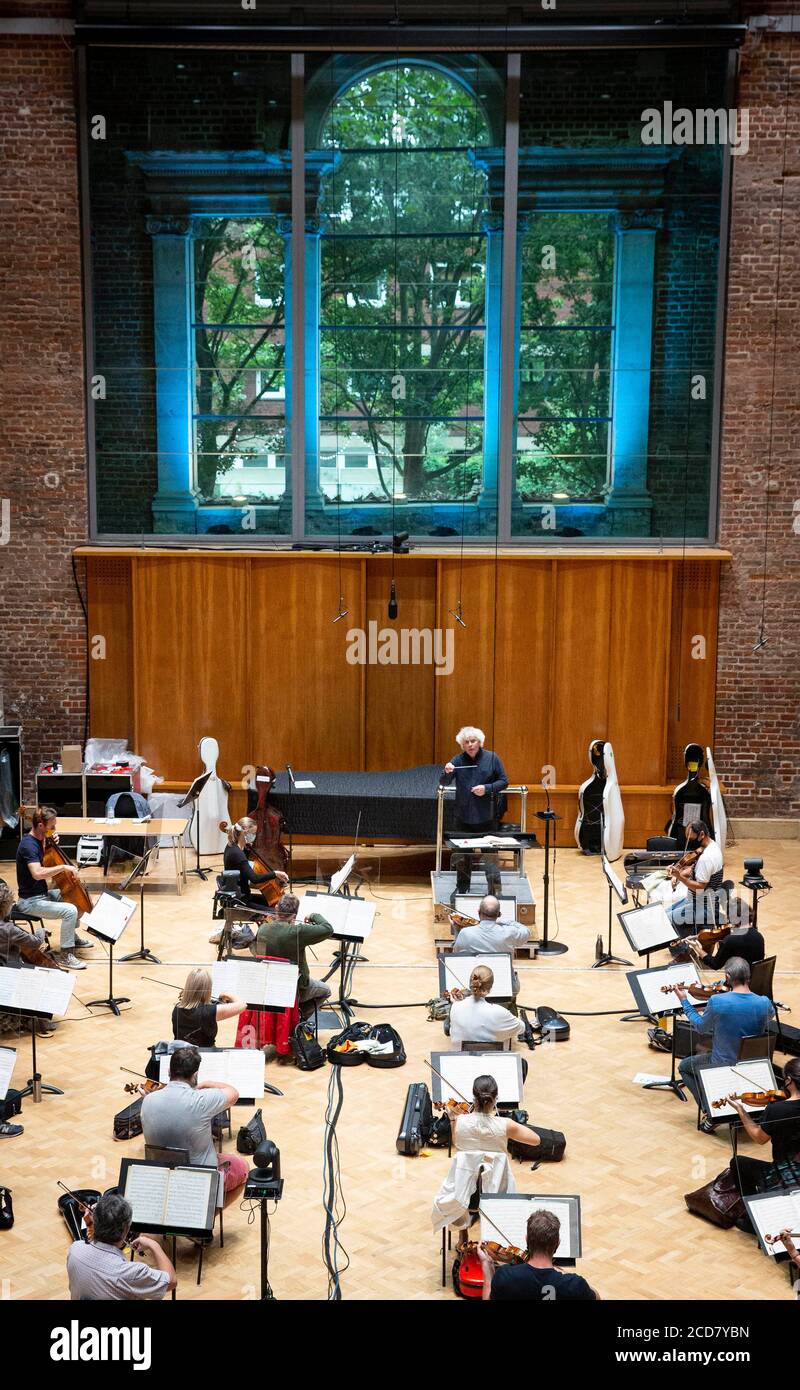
(71, 962)
(83, 944)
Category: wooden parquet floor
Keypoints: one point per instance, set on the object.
(631, 1154)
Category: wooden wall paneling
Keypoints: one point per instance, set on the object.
(690, 715)
(192, 663)
(399, 698)
(109, 603)
(466, 697)
(639, 669)
(523, 667)
(580, 671)
(308, 700)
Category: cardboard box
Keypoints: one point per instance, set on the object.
(71, 758)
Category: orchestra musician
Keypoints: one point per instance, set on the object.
(790, 1247)
(779, 1125)
(240, 836)
(535, 1280)
(687, 893)
(480, 780)
(742, 940)
(39, 900)
(489, 935)
(196, 1016)
(474, 1019)
(99, 1269)
(727, 1018)
(287, 939)
(181, 1114)
(480, 1140)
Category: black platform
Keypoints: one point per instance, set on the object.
(393, 805)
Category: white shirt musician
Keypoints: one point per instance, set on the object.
(474, 1019)
(684, 892)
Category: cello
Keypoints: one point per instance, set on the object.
(269, 825)
(273, 890)
(71, 889)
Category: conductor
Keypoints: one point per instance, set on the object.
(480, 780)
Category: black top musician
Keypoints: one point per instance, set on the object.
(480, 780)
(241, 834)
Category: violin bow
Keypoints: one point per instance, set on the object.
(509, 1243)
(84, 1206)
(447, 1083)
(165, 983)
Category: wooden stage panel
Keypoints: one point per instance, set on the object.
(191, 667)
(580, 667)
(108, 588)
(639, 644)
(524, 664)
(400, 699)
(467, 697)
(693, 679)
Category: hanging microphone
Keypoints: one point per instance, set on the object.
(343, 612)
(456, 613)
(392, 609)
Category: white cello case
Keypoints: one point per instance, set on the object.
(717, 804)
(212, 805)
(613, 814)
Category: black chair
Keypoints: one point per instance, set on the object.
(26, 918)
(483, 1047)
(228, 882)
(754, 1047)
(761, 976)
(659, 843)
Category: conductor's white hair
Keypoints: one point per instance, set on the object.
(469, 731)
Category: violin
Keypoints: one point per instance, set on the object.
(758, 1098)
(459, 920)
(690, 857)
(501, 1254)
(88, 1217)
(269, 823)
(456, 1107)
(272, 891)
(697, 991)
(143, 1088)
(710, 936)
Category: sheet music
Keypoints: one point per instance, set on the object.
(146, 1189)
(8, 1057)
(648, 927)
(770, 1215)
(652, 981)
(304, 786)
(188, 1195)
(511, 1215)
(486, 842)
(342, 874)
(457, 970)
(459, 1070)
(718, 1082)
(110, 916)
(468, 903)
(269, 983)
(614, 879)
(351, 918)
(36, 990)
(242, 1067)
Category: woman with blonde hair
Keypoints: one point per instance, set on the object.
(474, 1019)
(195, 1017)
(241, 834)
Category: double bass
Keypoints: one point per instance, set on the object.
(269, 825)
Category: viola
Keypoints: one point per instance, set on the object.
(752, 1098)
(87, 1211)
(459, 920)
(456, 1107)
(143, 1088)
(269, 822)
(501, 1254)
(698, 991)
(710, 936)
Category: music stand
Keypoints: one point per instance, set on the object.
(615, 885)
(544, 946)
(35, 1087)
(350, 937)
(643, 983)
(112, 914)
(191, 798)
(138, 871)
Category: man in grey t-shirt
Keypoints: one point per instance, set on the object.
(180, 1116)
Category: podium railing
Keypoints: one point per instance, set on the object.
(442, 792)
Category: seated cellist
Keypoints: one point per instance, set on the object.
(241, 834)
(40, 900)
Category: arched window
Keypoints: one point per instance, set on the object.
(403, 299)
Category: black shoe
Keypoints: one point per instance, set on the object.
(8, 1131)
(706, 1127)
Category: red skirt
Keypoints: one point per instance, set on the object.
(259, 1027)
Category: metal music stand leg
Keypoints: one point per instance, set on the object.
(607, 958)
(36, 1086)
(673, 1084)
(143, 953)
(113, 1001)
(201, 873)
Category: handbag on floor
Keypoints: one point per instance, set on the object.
(6, 1209)
(720, 1201)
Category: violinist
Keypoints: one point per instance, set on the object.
(40, 901)
(99, 1269)
(474, 1019)
(287, 939)
(489, 934)
(180, 1116)
(195, 1017)
(779, 1125)
(480, 1140)
(688, 893)
(241, 835)
(535, 1280)
(741, 940)
(728, 1018)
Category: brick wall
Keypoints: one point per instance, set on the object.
(43, 473)
(758, 694)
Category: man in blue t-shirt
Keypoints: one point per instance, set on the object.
(727, 1018)
(536, 1280)
(35, 896)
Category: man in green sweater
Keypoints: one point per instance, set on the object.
(288, 939)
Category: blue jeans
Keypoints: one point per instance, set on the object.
(690, 1066)
(50, 908)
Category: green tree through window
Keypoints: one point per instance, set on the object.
(403, 290)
